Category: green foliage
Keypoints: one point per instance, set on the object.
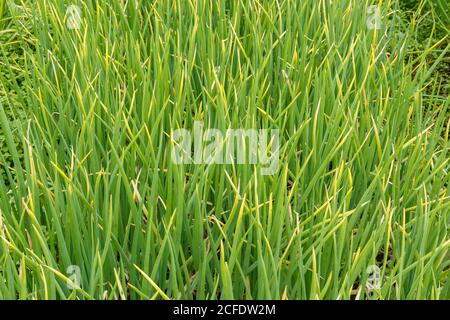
(430, 21)
(2, 11)
(364, 164)
(12, 61)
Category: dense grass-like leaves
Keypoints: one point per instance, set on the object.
(364, 160)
